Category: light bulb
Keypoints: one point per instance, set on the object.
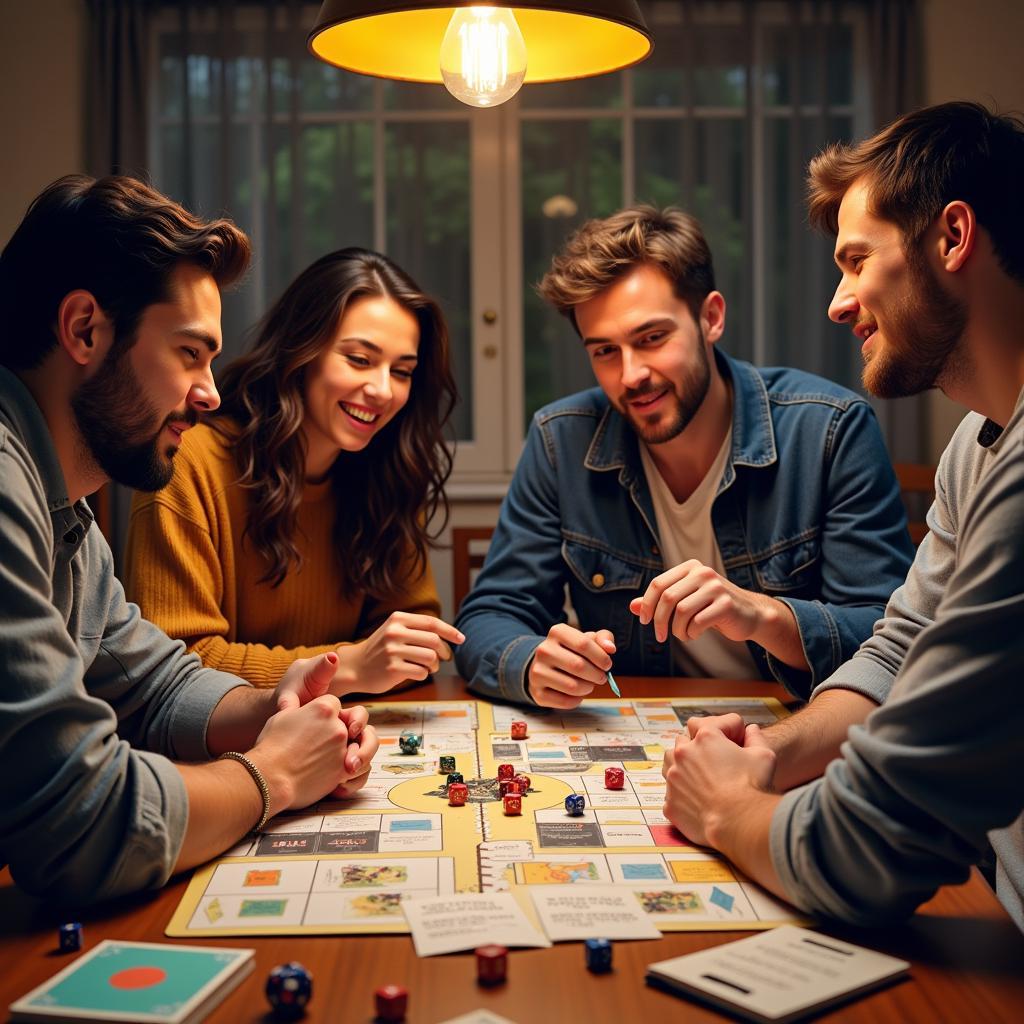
(483, 56)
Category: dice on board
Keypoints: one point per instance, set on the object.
(599, 955)
(289, 989)
(513, 804)
(455, 777)
(505, 772)
(505, 787)
(458, 794)
(575, 804)
(614, 778)
(491, 965)
(518, 731)
(446, 764)
(409, 743)
(523, 781)
(70, 937)
(391, 1002)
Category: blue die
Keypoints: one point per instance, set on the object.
(409, 743)
(455, 777)
(69, 937)
(574, 804)
(289, 989)
(599, 955)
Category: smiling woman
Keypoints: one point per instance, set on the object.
(298, 517)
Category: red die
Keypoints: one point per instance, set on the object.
(391, 1002)
(458, 794)
(505, 771)
(614, 778)
(524, 783)
(513, 803)
(505, 787)
(491, 965)
(518, 731)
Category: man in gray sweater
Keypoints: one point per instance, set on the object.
(929, 218)
(111, 299)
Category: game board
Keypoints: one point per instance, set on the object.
(343, 867)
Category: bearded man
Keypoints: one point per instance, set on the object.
(709, 518)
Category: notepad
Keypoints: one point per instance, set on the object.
(777, 976)
(138, 981)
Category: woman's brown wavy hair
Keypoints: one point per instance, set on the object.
(387, 496)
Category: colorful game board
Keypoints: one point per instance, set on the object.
(343, 867)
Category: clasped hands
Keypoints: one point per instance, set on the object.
(716, 769)
(310, 745)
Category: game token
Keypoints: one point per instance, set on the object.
(69, 937)
(523, 781)
(518, 731)
(455, 777)
(491, 965)
(458, 794)
(446, 764)
(289, 989)
(574, 804)
(599, 955)
(513, 803)
(391, 1002)
(505, 787)
(409, 743)
(614, 778)
(505, 771)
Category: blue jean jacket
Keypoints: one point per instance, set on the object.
(807, 511)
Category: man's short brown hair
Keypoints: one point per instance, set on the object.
(115, 237)
(602, 251)
(923, 161)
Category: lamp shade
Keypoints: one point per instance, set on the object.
(401, 40)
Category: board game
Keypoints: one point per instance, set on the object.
(343, 867)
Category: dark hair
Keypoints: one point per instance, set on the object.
(114, 237)
(925, 160)
(602, 251)
(398, 478)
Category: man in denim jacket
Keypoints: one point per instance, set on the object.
(709, 518)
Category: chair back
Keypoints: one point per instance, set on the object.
(917, 488)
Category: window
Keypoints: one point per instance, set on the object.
(720, 120)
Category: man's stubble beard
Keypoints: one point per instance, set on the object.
(930, 328)
(116, 425)
(694, 391)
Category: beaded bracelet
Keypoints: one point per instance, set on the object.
(257, 777)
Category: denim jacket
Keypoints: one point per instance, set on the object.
(807, 511)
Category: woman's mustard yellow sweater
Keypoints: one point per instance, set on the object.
(188, 570)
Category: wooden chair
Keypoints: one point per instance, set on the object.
(917, 488)
(466, 560)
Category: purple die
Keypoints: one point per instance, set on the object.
(574, 804)
(69, 937)
(289, 989)
(599, 955)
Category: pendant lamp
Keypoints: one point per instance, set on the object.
(482, 53)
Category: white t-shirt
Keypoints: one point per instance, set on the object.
(685, 532)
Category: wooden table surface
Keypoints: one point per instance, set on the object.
(967, 956)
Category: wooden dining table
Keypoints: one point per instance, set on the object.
(966, 955)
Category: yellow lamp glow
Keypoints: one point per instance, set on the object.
(410, 42)
(483, 56)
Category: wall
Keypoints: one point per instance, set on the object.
(972, 52)
(41, 100)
